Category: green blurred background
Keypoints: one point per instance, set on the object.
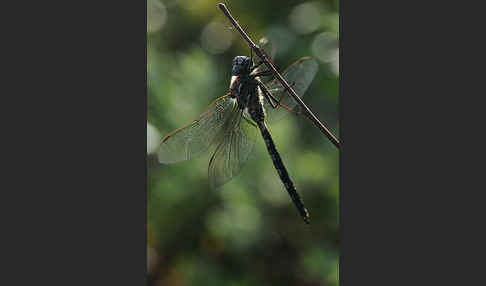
(248, 232)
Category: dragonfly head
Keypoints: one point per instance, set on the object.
(241, 65)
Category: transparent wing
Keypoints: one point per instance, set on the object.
(196, 137)
(234, 146)
(299, 76)
(269, 49)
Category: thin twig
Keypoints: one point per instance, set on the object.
(262, 56)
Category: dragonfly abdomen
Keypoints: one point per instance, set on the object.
(282, 171)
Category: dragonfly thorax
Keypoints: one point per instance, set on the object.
(248, 96)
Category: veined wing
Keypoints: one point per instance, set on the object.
(196, 137)
(269, 49)
(233, 148)
(299, 76)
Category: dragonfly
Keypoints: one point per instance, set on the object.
(229, 125)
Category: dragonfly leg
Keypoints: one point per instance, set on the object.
(256, 66)
(247, 120)
(268, 95)
(250, 68)
(263, 73)
(276, 103)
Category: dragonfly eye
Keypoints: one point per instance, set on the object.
(241, 65)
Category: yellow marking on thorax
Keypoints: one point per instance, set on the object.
(234, 81)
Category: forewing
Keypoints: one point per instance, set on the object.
(196, 137)
(299, 76)
(269, 49)
(232, 150)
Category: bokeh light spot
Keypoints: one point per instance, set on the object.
(153, 139)
(216, 38)
(156, 15)
(325, 47)
(305, 18)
